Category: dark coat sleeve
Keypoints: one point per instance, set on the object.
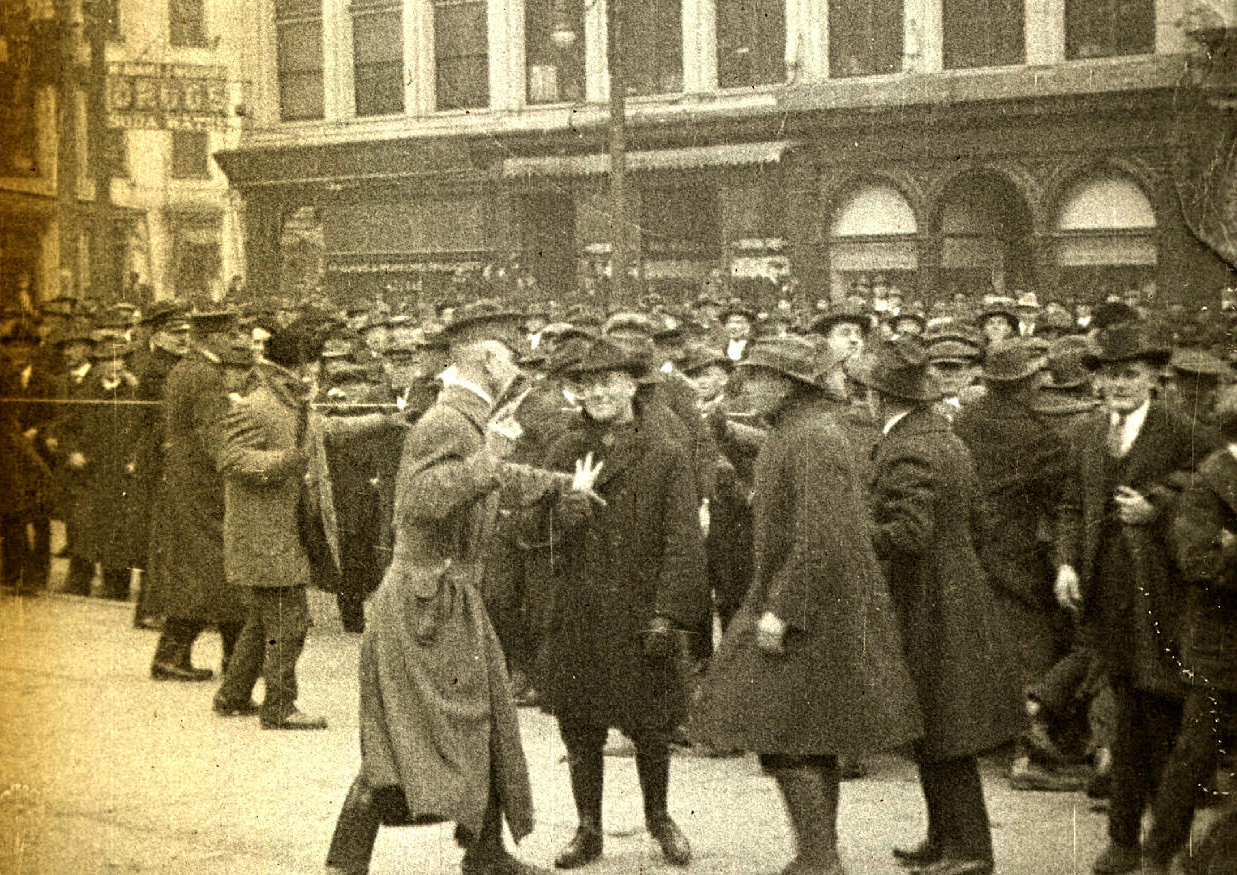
(444, 471)
(905, 500)
(681, 584)
(1202, 516)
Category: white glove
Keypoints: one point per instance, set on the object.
(585, 477)
(769, 633)
(1068, 588)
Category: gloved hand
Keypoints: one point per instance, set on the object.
(658, 639)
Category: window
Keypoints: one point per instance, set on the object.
(751, 42)
(109, 13)
(872, 245)
(1106, 241)
(555, 73)
(190, 155)
(865, 37)
(1107, 28)
(378, 58)
(187, 22)
(983, 33)
(461, 54)
(114, 152)
(196, 259)
(299, 61)
(651, 43)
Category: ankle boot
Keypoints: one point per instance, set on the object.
(813, 821)
(352, 844)
(587, 776)
(653, 770)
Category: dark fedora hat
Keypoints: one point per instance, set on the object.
(606, 354)
(485, 319)
(698, 356)
(1009, 361)
(1127, 342)
(847, 315)
(160, 313)
(798, 358)
(1065, 366)
(901, 371)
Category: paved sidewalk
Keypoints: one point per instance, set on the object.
(105, 771)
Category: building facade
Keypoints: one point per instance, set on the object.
(939, 147)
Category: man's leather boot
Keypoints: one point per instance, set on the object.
(586, 786)
(352, 844)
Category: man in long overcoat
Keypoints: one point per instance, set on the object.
(263, 462)
(811, 668)
(632, 570)
(439, 735)
(1115, 564)
(191, 589)
(928, 513)
(1205, 538)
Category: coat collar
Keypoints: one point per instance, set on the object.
(471, 405)
(921, 420)
(283, 383)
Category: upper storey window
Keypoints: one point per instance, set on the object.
(983, 33)
(865, 37)
(1108, 28)
(298, 24)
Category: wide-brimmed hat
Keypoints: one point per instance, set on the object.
(698, 356)
(901, 371)
(111, 348)
(485, 319)
(1005, 311)
(839, 316)
(1064, 362)
(1195, 362)
(1009, 361)
(607, 354)
(798, 358)
(160, 313)
(632, 321)
(1126, 342)
(738, 308)
(1112, 313)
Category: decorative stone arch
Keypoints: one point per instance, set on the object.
(1153, 182)
(836, 190)
(872, 262)
(1017, 175)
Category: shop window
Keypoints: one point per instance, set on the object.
(187, 22)
(651, 45)
(190, 155)
(299, 59)
(378, 58)
(1106, 241)
(461, 54)
(983, 33)
(1108, 28)
(751, 42)
(865, 37)
(680, 237)
(555, 72)
(872, 245)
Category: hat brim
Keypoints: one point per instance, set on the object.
(802, 379)
(1156, 357)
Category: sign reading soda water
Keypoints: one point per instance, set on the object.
(191, 97)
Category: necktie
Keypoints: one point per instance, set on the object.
(1116, 437)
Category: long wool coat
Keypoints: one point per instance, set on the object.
(190, 582)
(151, 367)
(97, 517)
(1021, 464)
(1136, 618)
(842, 686)
(437, 718)
(640, 555)
(1209, 627)
(927, 510)
(262, 464)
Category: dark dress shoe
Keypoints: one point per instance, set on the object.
(951, 866)
(584, 848)
(225, 710)
(1117, 860)
(167, 671)
(497, 862)
(675, 847)
(923, 854)
(295, 720)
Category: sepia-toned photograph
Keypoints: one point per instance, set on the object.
(502, 437)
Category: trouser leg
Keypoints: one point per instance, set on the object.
(285, 617)
(245, 664)
(351, 606)
(81, 573)
(115, 584)
(810, 788)
(229, 634)
(356, 830)
(653, 771)
(1129, 781)
(1190, 765)
(586, 764)
(954, 789)
(16, 548)
(39, 560)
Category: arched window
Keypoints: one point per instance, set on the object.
(872, 245)
(1106, 241)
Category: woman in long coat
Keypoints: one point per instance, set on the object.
(836, 685)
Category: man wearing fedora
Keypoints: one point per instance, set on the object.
(629, 573)
(811, 667)
(1021, 463)
(928, 509)
(1115, 565)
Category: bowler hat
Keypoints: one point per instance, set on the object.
(790, 355)
(1009, 361)
(1065, 366)
(485, 319)
(698, 356)
(901, 371)
(1125, 342)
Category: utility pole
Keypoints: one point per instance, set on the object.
(68, 211)
(620, 235)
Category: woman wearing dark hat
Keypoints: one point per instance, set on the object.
(630, 570)
(999, 322)
(810, 669)
(1115, 564)
(928, 513)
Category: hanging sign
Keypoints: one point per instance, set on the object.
(183, 97)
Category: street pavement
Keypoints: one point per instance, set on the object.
(103, 770)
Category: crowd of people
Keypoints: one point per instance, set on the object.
(813, 533)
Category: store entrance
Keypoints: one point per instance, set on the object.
(986, 238)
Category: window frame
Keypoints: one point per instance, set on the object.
(187, 32)
(481, 88)
(1085, 18)
(838, 9)
(299, 13)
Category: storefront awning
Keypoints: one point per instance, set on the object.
(686, 158)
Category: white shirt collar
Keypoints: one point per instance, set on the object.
(1131, 424)
(1232, 451)
(454, 380)
(79, 373)
(894, 420)
(734, 349)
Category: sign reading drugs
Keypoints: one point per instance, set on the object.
(190, 97)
